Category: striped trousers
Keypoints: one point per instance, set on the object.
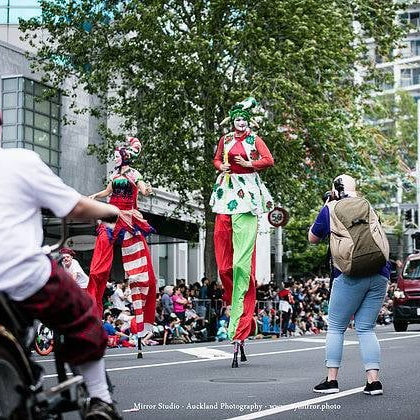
(138, 267)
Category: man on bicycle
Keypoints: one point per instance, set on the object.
(40, 288)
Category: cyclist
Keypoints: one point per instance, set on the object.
(40, 288)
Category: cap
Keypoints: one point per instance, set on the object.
(68, 251)
(349, 184)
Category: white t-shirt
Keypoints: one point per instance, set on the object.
(76, 271)
(118, 299)
(26, 185)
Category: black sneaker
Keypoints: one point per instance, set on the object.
(374, 388)
(101, 410)
(327, 387)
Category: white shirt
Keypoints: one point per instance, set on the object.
(118, 299)
(284, 306)
(77, 272)
(26, 185)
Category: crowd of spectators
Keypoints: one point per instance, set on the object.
(196, 312)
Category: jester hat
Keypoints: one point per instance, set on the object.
(242, 109)
(130, 151)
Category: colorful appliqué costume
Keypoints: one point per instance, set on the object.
(129, 231)
(238, 197)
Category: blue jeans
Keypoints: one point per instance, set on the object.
(363, 298)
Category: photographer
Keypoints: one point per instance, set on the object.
(360, 253)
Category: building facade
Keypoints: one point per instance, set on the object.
(403, 70)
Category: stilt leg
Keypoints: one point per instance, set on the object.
(140, 353)
(242, 349)
(235, 354)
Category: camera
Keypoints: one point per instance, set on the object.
(339, 188)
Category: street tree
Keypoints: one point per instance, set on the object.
(172, 69)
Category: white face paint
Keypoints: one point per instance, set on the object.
(117, 158)
(240, 123)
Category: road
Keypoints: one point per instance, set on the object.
(196, 381)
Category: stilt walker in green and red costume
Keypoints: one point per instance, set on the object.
(238, 197)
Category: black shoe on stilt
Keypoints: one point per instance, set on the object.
(235, 354)
(242, 349)
(140, 353)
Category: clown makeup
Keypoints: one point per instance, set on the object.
(240, 123)
(117, 159)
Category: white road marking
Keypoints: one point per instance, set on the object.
(205, 352)
(134, 353)
(296, 405)
(181, 362)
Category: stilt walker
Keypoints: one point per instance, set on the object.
(238, 197)
(129, 231)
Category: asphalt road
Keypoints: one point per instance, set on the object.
(196, 381)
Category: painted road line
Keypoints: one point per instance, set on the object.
(205, 352)
(182, 362)
(313, 402)
(38, 359)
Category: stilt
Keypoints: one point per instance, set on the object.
(140, 353)
(242, 348)
(235, 354)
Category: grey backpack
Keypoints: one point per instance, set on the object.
(359, 246)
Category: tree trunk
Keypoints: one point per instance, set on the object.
(210, 266)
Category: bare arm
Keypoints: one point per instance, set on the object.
(93, 209)
(313, 239)
(104, 193)
(144, 188)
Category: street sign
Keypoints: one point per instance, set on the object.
(81, 242)
(278, 217)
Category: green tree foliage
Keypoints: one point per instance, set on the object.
(172, 69)
(394, 124)
(301, 258)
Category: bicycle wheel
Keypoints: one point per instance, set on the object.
(44, 343)
(13, 405)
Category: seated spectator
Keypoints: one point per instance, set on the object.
(222, 331)
(167, 304)
(147, 340)
(114, 335)
(72, 266)
(179, 303)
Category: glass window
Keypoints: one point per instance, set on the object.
(416, 76)
(415, 47)
(29, 134)
(54, 126)
(8, 145)
(29, 117)
(9, 116)
(29, 86)
(9, 100)
(43, 153)
(55, 110)
(42, 106)
(54, 158)
(41, 138)
(9, 132)
(42, 122)
(28, 121)
(29, 101)
(39, 90)
(9, 84)
(54, 142)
